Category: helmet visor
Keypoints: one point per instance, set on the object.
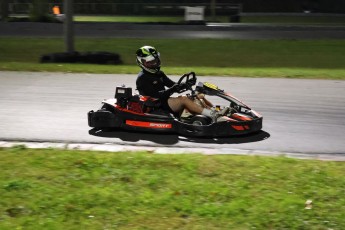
(152, 64)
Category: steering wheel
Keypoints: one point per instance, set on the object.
(186, 82)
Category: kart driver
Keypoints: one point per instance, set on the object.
(152, 82)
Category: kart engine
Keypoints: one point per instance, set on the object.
(122, 95)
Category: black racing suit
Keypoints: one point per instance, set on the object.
(153, 85)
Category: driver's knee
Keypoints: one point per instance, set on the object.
(176, 104)
(192, 106)
(185, 100)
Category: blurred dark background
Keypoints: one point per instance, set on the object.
(169, 7)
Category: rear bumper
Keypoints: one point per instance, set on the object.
(102, 119)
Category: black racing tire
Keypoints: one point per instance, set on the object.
(200, 120)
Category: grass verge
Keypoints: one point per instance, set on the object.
(303, 19)
(274, 58)
(57, 189)
(305, 73)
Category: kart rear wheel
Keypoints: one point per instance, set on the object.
(201, 120)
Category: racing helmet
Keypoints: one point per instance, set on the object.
(148, 59)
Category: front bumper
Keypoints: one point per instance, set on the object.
(221, 129)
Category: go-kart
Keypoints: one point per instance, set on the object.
(141, 113)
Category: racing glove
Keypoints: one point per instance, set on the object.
(186, 85)
(168, 92)
(181, 87)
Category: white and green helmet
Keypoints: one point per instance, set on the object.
(148, 59)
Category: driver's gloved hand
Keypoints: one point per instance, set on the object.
(173, 89)
(192, 82)
(183, 86)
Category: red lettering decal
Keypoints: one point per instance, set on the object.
(146, 124)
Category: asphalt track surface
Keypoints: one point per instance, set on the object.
(300, 116)
(213, 30)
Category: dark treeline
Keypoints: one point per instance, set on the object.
(145, 6)
(318, 6)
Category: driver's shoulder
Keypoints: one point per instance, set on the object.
(143, 76)
(161, 73)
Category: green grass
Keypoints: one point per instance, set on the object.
(274, 58)
(56, 189)
(141, 19)
(138, 19)
(305, 73)
(305, 19)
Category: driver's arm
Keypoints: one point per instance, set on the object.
(168, 83)
(155, 86)
(168, 92)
